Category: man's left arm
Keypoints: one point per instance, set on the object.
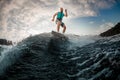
(66, 14)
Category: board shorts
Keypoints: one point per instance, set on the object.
(62, 24)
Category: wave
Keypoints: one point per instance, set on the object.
(46, 57)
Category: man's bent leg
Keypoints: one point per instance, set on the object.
(64, 29)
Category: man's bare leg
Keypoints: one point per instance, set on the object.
(64, 29)
(58, 26)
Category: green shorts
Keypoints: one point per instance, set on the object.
(62, 24)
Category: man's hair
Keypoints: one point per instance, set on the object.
(61, 8)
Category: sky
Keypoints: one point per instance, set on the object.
(21, 18)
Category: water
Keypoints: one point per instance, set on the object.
(44, 57)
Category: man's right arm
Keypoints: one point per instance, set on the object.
(54, 16)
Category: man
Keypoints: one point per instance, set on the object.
(59, 18)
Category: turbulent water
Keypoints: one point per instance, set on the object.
(46, 57)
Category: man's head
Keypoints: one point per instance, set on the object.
(61, 9)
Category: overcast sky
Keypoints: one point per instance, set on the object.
(85, 17)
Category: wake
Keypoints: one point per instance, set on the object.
(49, 57)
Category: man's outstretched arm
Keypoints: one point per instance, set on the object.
(66, 14)
(54, 16)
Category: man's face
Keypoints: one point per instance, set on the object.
(61, 9)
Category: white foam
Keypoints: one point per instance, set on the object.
(79, 41)
(8, 57)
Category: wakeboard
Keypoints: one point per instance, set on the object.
(59, 35)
